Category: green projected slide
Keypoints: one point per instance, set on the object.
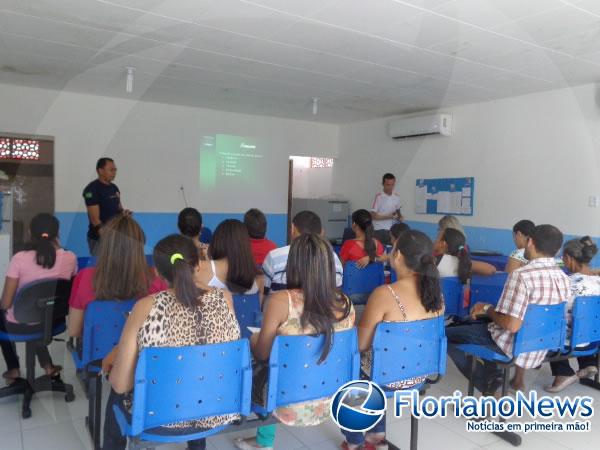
(229, 160)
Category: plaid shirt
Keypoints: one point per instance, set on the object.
(540, 282)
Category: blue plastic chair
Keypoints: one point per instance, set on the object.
(543, 328)
(452, 290)
(295, 375)
(44, 305)
(403, 350)
(585, 332)
(358, 283)
(175, 384)
(487, 289)
(247, 312)
(102, 326)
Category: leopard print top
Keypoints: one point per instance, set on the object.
(171, 324)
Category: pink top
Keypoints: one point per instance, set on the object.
(82, 292)
(23, 267)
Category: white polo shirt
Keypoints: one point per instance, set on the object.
(385, 204)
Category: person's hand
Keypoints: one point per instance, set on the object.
(478, 310)
(363, 262)
(109, 361)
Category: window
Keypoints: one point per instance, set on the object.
(321, 163)
(28, 149)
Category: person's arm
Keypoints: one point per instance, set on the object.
(8, 293)
(482, 268)
(75, 322)
(276, 312)
(513, 264)
(122, 373)
(505, 321)
(373, 314)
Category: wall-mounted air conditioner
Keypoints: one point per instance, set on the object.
(421, 126)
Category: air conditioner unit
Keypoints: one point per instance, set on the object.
(421, 126)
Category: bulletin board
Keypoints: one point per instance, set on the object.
(445, 196)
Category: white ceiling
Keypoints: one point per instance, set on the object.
(362, 58)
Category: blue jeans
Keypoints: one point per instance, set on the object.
(486, 375)
(357, 438)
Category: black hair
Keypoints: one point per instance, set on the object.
(178, 271)
(307, 222)
(44, 232)
(387, 176)
(524, 226)
(457, 246)
(417, 249)
(547, 240)
(581, 250)
(189, 222)
(362, 219)
(311, 268)
(256, 223)
(103, 162)
(231, 241)
(398, 228)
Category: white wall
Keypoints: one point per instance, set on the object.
(155, 146)
(311, 182)
(535, 156)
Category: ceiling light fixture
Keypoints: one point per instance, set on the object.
(129, 84)
(315, 105)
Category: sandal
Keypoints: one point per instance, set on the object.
(55, 372)
(8, 377)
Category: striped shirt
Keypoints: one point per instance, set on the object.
(275, 266)
(541, 282)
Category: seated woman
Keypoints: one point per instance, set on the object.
(396, 230)
(577, 254)
(310, 305)
(521, 232)
(415, 296)
(42, 258)
(230, 265)
(121, 271)
(455, 260)
(364, 248)
(457, 235)
(202, 317)
(189, 223)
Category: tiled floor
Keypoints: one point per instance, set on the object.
(56, 425)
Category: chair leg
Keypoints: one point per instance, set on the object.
(471, 389)
(595, 382)
(414, 432)
(94, 418)
(509, 436)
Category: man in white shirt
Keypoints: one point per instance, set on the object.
(386, 209)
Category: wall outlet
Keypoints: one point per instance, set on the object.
(593, 201)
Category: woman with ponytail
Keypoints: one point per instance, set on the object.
(414, 296)
(181, 316)
(364, 249)
(577, 255)
(454, 259)
(42, 258)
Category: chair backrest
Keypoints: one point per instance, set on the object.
(362, 281)
(102, 326)
(38, 298)
(175, 384)
(487, 289)
(295, 375)
(403, 350)
(452, 290)
(247, 312)
(544, 328)
(585, 321)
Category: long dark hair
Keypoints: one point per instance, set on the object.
(176, 258)
(231, 241)
(457, 246)
(362, 219)
(417, 249)
(44, 233)
(311, 268)
(122, 271)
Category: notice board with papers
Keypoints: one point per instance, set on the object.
(445, 196)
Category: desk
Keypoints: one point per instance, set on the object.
(498, 261)
(487, 288)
